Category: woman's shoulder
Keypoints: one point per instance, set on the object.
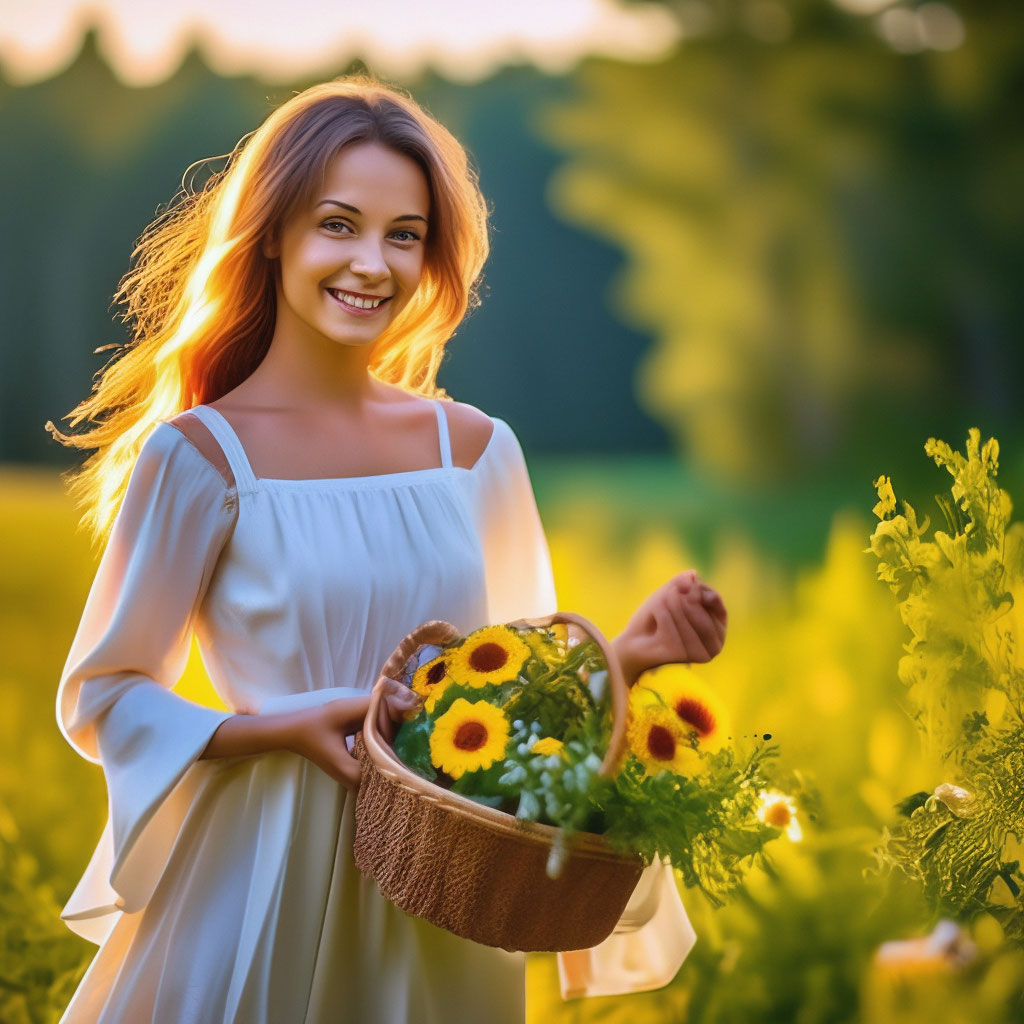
(471, 431)
(479, 439)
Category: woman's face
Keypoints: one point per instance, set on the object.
(362, 240)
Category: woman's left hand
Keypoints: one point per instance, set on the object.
(684, 620)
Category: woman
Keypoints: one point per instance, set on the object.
(288, 486)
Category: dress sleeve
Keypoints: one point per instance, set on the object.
(114, 701)
(520, 582)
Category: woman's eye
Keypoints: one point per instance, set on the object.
(335, 226)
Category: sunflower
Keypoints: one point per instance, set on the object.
(494, 654)
(658, 741)
(436, 693)
(468, 736)
(431, 675)
(696, 706)
(548, 745)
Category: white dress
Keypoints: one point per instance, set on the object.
(224, 890)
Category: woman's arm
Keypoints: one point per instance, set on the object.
(116, 703)
(317, 733)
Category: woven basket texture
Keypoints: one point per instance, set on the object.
(477, 872)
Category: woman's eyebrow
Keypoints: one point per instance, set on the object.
(347, 206)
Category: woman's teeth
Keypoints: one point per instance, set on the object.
(355, 300)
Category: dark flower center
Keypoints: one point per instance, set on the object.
(778, 814)
(470, 736)
(436, 673)
(661, 743)
(696, 715)
(488, 657)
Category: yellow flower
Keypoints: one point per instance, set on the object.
(696, 706)
(779, 811)
(494, 654)
(548, 745)
(655, 737)
(431, 679)
(436, 693)
(887, 500)
(468, 736)
(430, 675)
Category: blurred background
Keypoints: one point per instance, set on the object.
(747, 255)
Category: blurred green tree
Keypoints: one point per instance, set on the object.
(822, 231)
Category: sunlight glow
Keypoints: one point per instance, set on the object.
(864, 6)
(465, 40)
(931, 26)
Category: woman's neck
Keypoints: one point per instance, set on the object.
(314, 375)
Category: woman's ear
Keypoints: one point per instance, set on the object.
(270, 247)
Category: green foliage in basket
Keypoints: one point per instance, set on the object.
(711, 826)
(959, 594)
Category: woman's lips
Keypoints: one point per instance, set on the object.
(356, 310)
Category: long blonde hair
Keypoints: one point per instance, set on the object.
(201, 295)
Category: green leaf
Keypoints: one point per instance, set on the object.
(412, 745)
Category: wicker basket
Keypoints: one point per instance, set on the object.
(472, 869)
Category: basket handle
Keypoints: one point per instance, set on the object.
(378, 729)
(378, 722)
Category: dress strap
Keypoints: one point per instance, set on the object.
(189, 424)
(233, 450)
(442, 434)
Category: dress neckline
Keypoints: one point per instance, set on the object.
(407, 476)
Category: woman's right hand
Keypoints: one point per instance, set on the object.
(318, 734)
(399, 701)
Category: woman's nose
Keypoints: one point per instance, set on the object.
(368, 259)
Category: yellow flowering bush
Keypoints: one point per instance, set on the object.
(959, 594)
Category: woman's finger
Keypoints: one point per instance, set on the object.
(684, 581)
(712, 606)
(707, 613)
(399, 698)
(692, 643)
(704, 626)
(712, 600)
(349, 768)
